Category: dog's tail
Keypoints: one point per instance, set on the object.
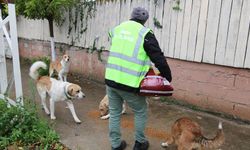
(215, 142)
(34, 74)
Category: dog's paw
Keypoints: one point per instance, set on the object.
(78, 121)
(124, 112)
(47, 113)
(53, 117)
(164, 144)
(105, 117)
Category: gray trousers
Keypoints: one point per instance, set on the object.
(136, 103)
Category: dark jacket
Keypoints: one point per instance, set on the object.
(153, 50)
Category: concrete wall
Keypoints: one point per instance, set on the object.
(217, 88)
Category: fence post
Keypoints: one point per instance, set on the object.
(15, 53)
(3, 71)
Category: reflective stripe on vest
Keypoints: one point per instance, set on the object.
(139, 41)
(130, 59)
(126, 70)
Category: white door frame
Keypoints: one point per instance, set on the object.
(12, 40)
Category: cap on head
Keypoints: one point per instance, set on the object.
(140, 13)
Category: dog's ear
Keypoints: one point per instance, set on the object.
(105, 105)
(71, 91)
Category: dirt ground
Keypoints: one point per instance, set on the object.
(92, 133)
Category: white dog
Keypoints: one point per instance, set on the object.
(61, 67)
(56, 89)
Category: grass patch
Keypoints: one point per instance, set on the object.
(21, 128)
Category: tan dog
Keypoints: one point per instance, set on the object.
(56, 89)
(187, 135)
(104, 108)
(61, 67)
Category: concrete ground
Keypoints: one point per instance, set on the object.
(92, 133)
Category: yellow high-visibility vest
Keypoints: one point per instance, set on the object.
(128, 62)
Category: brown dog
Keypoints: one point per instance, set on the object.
(187, 135)
(61, 67)
(104, 108)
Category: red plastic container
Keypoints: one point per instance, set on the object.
(155, 85)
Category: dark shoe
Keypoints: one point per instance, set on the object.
(122, 146)
(141, 146)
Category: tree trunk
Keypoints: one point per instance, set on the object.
(52, 42)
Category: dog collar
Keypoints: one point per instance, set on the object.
(66, 93)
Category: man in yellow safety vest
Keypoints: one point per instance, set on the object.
(133, 47)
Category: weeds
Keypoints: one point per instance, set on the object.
(21, 127)
(177, 5)
(157, 23)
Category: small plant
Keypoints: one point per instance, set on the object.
(21, 127)
(82, 11)
(4, 8)
(157, 23)
(94, 48)
(100, 52)
(177, 5)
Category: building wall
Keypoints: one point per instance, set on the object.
(217, 88)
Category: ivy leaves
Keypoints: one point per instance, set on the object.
(44, 9)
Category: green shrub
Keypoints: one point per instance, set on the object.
(21, 126)
(4, 8)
